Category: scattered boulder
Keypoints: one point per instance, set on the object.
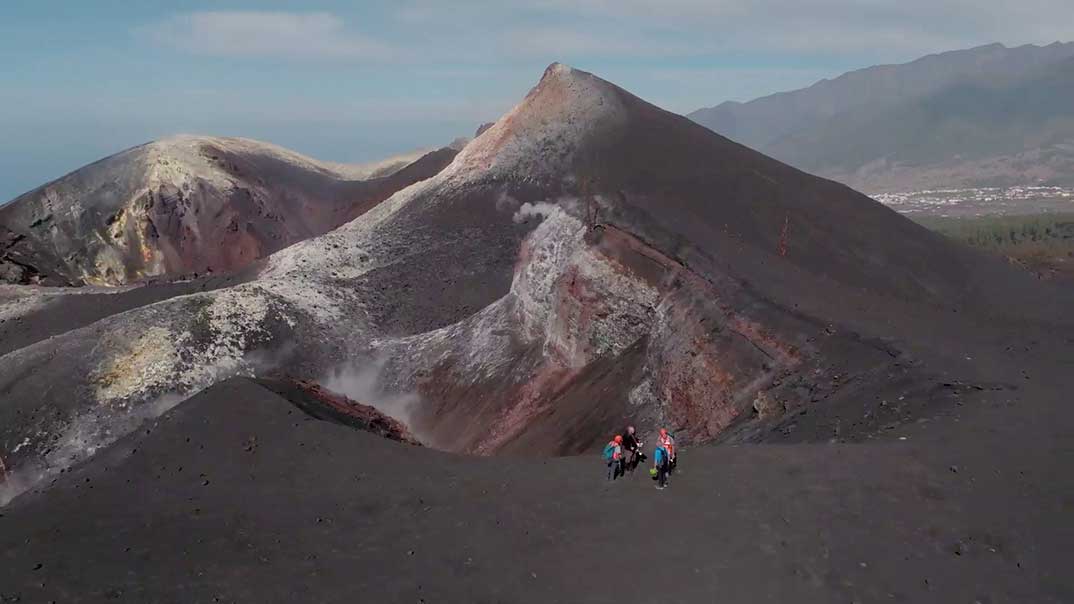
(766, 407)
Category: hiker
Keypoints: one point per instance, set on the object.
(667, 441)
(634, 446)
(613, 456)
(661, 465)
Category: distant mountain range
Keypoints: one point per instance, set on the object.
(986, 116)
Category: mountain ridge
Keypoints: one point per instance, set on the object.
(866, 108)
(187, 204)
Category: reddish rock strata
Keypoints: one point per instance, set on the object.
(330, 406)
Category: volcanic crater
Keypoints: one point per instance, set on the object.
(587, 260)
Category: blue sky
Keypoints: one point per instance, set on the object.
(356, 81)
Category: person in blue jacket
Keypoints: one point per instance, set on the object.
(613, 456)
(662, 464)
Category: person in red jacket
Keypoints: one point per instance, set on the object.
(613, 456)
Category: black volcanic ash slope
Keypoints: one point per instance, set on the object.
(587, 260)
(239, 497)
(187, 205)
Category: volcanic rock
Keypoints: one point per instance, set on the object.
(187, 205)
(330, 406)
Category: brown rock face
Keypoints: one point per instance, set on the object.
(612, 332)
(329, 406)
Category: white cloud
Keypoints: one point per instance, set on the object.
(266, 34)
(875, 29)
(424, 31)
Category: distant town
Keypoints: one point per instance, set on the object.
(981, 201)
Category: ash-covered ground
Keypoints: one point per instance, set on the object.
(237, 496)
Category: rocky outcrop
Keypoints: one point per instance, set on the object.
(186, 206)
(318, 402)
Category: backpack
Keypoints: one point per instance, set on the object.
(609, 452)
